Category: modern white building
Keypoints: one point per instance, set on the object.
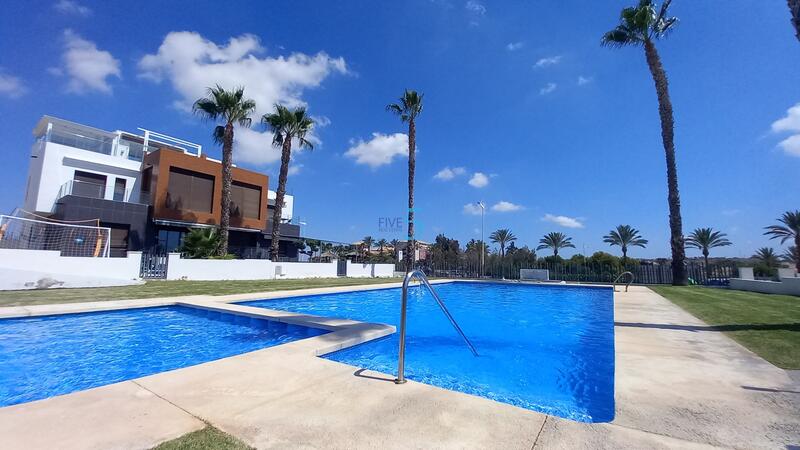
(79, 173)
(69, 158)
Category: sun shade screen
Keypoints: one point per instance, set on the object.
(189, 191)
(246, 200)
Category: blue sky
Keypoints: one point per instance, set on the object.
(564, 132)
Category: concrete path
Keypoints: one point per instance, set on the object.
(678, 385)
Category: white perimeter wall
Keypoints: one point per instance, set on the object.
(32, 269)
(369, 270)
(787, 286)
(244, 269)
(37, 269)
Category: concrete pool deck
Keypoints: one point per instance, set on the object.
(678, 385)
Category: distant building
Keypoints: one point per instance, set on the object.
(150, 189)
(422, 251)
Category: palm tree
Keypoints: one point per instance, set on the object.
(409, 107)
(555, 240)
(200, 243)
(394, 243)
(794, 9)
(642, 25)
(286, 126)
(625, 236)
(366, 244)
(789, 230)
(502, 237)
(231, 108)
(382, 244)
(705, 239)
(791, 255)
(767, 256)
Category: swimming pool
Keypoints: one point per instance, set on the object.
(545, 348)
(52, 355)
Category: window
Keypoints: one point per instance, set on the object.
(245, 200)
(85, 184)
(119, 240)
(169, 240)
(119, 190)
(189, 191)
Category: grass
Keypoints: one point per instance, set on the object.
(205, 439)
(153, 289)
(768, 325)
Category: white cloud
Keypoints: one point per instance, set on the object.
(295, 168)
(548, 88)
(87, 67)
(321, 121)
(731, 212)
(192, 64)
(380, 150)
(583, 81)
(564, 221)
(448, 174)
(11, 86)
(791, 124)
(479, 180)
(514, 46)
(791, 145)
(472, 209)
(475, 7)
(548, 61)
(504, 206)
(73, 8)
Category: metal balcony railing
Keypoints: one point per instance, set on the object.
(88, 189)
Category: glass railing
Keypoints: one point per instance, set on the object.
(99, 143)
(88, 189)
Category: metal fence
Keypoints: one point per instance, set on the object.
(713, 275)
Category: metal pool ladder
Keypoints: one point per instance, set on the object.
(419, 275)
(614, 284)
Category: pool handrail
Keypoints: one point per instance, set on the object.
(420, 276)
(614, 284)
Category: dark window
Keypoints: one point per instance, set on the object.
(119, 241)
(170, 240)
(119, 190)
(189, 191)
(147, 178)
(85, 184)
(245, 200)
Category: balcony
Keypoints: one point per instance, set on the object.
(101, 191)
(91, 139)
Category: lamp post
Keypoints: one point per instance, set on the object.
(483, 244)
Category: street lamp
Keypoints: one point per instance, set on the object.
(483, 244)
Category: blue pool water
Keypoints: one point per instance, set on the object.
(53, 355)
(545, 348)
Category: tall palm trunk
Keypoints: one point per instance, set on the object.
(797, 251)
(286, 153)
(412, 164)
(679, 276)
(225, 213)
(705, 261)
(624, 255)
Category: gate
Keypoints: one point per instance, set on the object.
(154, 265)
(341, 267)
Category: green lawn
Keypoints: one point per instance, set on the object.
(206, 439)
(173, 289)
(768, 325)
